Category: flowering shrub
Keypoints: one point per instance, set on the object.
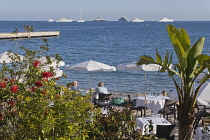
(33, 106)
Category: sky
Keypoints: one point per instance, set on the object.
(111, 10)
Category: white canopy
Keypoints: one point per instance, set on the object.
(133, 67)
(203, 95)
(92, 66)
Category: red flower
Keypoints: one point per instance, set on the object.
(12, 80)
(38, 83)
(33, 89)
(47, 74)
(45, 80)
(44, 92)
(36, 63)
(14, 88)
(11, 103)
(6, 79)
(56, 96)
(1, 117)
(3, 84)
(57, 78)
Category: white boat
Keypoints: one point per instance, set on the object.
(50, 20)
(124, 19)
(164, 19)
(137, 20)
(99, 20)
(80, 20)
(64, 20)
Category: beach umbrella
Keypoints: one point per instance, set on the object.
(133, 67)
(203, 95)
(54, 63)
(92, 66)
(6, 57)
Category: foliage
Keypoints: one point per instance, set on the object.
(191, 62)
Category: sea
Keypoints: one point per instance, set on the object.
(112, 43)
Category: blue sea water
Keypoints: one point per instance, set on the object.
(112, 43)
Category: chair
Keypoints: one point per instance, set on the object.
(164, 131)
(132, 104)
(103, 100)
(169, 109)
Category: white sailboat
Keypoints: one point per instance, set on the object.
(81, 20)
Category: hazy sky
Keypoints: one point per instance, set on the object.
(149, 10)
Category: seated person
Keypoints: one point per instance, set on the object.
(99, 90)
(164, 93)
(74, 86)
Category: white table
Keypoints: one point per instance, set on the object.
(142, 122)
(202, 136)
(154, 103)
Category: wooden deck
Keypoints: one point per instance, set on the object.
(20, 35)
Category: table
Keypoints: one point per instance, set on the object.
(142, 122)
(154, 103)
(202, 135)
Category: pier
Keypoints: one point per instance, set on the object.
(20, 35)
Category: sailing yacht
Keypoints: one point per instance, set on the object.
(81, 20)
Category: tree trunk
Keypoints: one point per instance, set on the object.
(185, 120)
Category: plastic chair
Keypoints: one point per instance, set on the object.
(103, 100)
(132, 105)
(169, 109)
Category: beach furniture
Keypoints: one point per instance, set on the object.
(132, 104)
(143, 124)
(169, 109)
(154, 103)
(202, 133)
(103, 100)
(166, 131)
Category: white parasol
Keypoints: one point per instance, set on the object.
(133, 67)
(92, 66)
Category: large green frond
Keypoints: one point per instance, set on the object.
(181, 45)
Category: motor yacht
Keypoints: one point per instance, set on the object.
(99, 20)
(50, 20)
(124, 19)
(164, 19)
(64, 20)
(137, 20)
